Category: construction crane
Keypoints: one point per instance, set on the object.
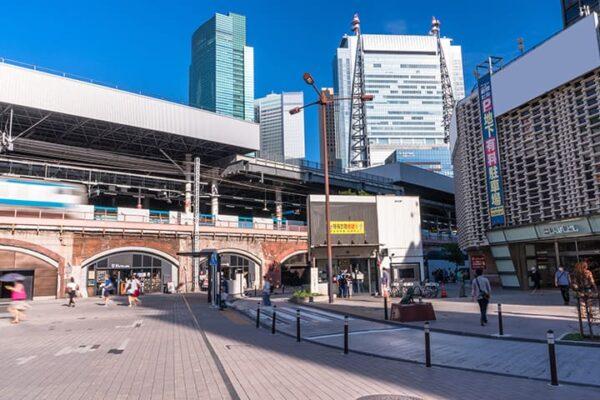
(447, 95)
(359, 142)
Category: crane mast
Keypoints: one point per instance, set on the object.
(447, 95)
(359, 142)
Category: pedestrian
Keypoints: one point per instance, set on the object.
(137, 291)
(18, 304)
(343, 282)
(266, 293)
(349, 287)
(72, 289)
(562, 280)
(385, 282)
(129, 290)
(107, 289)
(481, 291)
(536, 277)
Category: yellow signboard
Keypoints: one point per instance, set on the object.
(347, 227)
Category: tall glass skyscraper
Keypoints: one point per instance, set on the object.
(403, 74)
(222, 69)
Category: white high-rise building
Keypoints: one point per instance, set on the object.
(281, 134)
(404, 120)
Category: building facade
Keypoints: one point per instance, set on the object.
(548, 129)
(281, 134)
(432, 158)
(573, 10)
(222, 70)
(403, 73)
(333, 156)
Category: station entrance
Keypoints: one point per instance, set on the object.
(154, 272)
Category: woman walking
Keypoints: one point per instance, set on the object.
(18, 305)
(72, 289)
(107, 288)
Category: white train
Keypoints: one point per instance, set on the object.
(22, 193)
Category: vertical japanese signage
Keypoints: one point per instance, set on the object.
(490, 149)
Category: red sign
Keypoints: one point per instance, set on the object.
(477, 262)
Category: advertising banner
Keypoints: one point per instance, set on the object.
(347, 227)
(490, 149)
(477, 262)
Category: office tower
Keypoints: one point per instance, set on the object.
(222, 68)
(402, 72)
(332, 153)
(281, 134)
(574, 10)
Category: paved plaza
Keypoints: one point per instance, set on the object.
(526, 314)
(177, 347)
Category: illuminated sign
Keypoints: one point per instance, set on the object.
(477, 262)
(347, 227)
(561, 229)
(490, 149)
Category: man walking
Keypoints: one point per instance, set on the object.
(481, 291)
(562, 280)
(266, 293)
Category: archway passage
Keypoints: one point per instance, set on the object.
(156, 273)
(295, 271)
(41, 277)
(240, 269)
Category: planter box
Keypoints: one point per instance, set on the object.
(412, 312)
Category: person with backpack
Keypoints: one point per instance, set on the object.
(107, 289)
(72, 289)
(481, 291)
(562, 280)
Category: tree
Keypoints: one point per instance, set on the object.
(454, 254)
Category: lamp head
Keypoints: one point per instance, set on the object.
(308, 79)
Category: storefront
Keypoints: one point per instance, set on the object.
(41, 276)
(154, 272)
(517, 251)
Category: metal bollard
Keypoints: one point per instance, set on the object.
(298, 325)
(427, 346)
(552, 356)
(258, 315)
(345, 334)
(385, 308)
(274, 319)
(500, 325)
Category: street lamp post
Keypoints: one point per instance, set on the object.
(323, 101)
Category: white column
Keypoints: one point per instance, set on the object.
(188, 186)
(278, 206)
(214, 198)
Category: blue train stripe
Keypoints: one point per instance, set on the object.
(36, 183)
(33, 203)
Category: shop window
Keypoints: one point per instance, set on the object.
(102, 264)
(147, 261)
(156, 262)
(137, 260)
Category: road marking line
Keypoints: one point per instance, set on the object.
(357, 333)
(23, 360)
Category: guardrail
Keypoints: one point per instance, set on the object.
(112, 214)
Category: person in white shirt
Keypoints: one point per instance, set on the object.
(481, 291)
(72, 289)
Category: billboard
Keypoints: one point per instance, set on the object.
(490, 150)
(353, 220)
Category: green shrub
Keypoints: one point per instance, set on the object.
(302, 294)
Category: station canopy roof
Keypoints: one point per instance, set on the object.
(55, 116)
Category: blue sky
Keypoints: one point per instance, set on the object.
(144, 45)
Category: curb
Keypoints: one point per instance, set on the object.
(399, 359)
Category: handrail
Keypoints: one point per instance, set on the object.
(111, 214)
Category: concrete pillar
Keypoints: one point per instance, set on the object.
(188, 186)
(214, 198)
(278, 206)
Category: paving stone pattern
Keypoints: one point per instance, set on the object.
(176, 347)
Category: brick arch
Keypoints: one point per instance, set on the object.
(128, 249)
(43, 254)
(240, 252)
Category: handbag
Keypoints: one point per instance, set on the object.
(482, 294)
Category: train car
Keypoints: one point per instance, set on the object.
(31, 193)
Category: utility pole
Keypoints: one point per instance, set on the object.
(447, 95)
(195, 237)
